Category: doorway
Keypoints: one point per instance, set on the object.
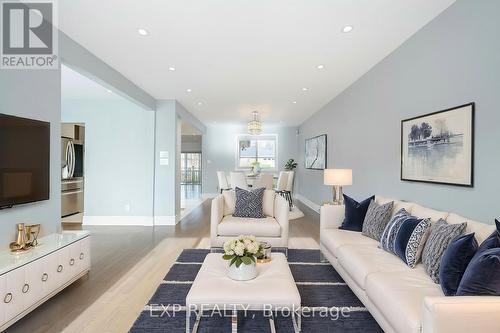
(190, 168)
(191, 175)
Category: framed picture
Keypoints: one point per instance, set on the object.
(439, 147)
(316, 153)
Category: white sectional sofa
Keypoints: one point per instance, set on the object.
(272, 229)
(402, 299)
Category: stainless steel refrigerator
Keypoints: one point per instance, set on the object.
(72, 190)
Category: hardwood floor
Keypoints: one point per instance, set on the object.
(128, 263)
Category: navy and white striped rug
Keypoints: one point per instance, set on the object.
(321, 288)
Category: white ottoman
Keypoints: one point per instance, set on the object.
(272, 290)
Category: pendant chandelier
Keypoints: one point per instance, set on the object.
(254, 125)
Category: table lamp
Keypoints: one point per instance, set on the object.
(338, 178)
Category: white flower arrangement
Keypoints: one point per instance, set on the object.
(242, 250)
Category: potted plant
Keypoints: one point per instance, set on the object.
(242, 255)
(290, 165)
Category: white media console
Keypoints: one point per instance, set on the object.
(29, 279)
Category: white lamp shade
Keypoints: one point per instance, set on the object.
(339, 177)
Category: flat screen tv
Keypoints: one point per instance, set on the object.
(24, 160)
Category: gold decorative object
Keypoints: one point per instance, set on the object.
(263, 261)
(32, 232)
(266, 253)
(27, 237)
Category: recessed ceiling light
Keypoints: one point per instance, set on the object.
(294, 102)
(172, 69)
(320, 66)
(143, 32)
(188, 90)
(200, 103)
(305, 89)
(108, 90)
(347, 28)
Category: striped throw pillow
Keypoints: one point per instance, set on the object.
(391, 230)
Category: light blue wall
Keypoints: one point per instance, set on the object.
(451, 61)
(119, 144)
(219, 150)
(34, 94)
(167, 203)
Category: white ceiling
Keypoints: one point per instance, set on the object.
(240, 55)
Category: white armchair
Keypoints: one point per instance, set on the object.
(273, 228)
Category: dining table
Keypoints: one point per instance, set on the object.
(251, 178)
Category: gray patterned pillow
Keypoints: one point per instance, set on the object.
(441, 236)
(376, 219)
(249, 203)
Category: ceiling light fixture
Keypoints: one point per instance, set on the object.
(188, 90)
(108, 90)
(305, 89)
(320, 66)
(172, 69)
(294, 102)
(200, 103)
(347, 28)
(143, 32)
(254, 125)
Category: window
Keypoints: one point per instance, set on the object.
(260, 149)
(191, 168)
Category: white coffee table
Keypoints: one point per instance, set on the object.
(272, 290)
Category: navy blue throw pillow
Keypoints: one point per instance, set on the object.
(454, 262)
(482, 276)
(403, 236)
(493, 241)
(355, 213)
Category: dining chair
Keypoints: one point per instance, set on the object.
(282, 187)
(238, 179)
(289, 188)
(223, 185)
(265, 180)
(282, 182)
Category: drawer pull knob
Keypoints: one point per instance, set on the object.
(59, 268)
(7, 298)
(45, 277)
(26, 288)
(72, 262)
(82, 256)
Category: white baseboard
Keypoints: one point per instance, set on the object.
(308, 203)
(166, 220)
(118, 220)
(130, 220)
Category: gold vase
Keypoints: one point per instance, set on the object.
(21, 235)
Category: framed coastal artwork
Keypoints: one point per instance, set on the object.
(316, 153)
(439, 147)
